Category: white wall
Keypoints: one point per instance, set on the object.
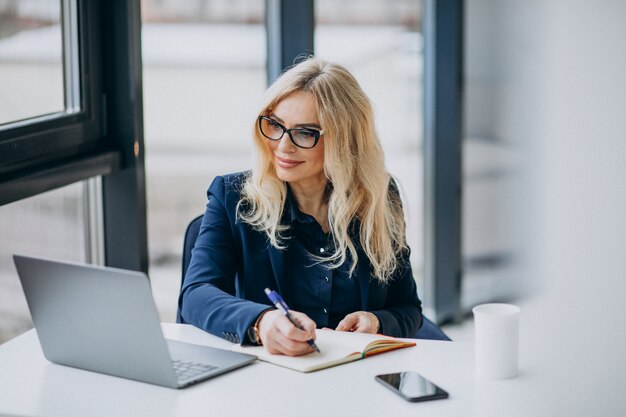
(550, 76)
(581, 149)
(580, 186)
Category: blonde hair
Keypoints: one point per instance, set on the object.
(361, 194)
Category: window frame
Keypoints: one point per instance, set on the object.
(443, 154)
(48, 143)
(104, 138)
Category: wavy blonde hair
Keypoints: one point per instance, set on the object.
(361, 194)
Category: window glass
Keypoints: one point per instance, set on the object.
(380, 42)
(31, 59)
(493, 150)
(51, 224)
(203, 77)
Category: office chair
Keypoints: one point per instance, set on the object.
(429, 330)
(191, 234)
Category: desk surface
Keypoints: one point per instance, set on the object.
(30, 385)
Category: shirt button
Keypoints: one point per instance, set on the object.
(325, 311)
(322, 250)
(326, 279)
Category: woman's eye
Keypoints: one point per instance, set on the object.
(274, 124)
(308, 134)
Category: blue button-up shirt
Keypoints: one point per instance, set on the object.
(325, 295)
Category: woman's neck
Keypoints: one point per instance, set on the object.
(312, 200)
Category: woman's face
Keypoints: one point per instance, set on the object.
(297, 166)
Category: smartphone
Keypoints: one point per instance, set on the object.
(412, 386)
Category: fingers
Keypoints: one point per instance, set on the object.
(280, 336)
(306, 323)
(359, 322)
(349, 323)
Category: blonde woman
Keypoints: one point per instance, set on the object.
(318, 219)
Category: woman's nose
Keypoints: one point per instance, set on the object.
(285, 144)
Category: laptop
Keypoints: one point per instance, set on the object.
(105, 320)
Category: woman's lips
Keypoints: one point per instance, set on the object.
(287, 163)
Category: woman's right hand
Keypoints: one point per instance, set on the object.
(280, 336)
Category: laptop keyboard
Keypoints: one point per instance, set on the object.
(189, 369)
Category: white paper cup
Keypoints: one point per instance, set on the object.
(496, 329)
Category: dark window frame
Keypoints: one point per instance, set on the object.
(47, 141)
(104, 138)
(290, 26)
(443, 135)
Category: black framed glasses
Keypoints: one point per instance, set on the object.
(302, 137)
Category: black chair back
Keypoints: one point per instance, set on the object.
(191, 234)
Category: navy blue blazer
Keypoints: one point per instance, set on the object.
(231, 265)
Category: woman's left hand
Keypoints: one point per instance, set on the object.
(360, 322)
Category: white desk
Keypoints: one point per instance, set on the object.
(30, 385)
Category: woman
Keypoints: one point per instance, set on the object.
(318, 219)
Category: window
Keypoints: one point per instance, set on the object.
(66, 146)
(493, 172)
(52, 224)
(203, 77)
(380, 42)
(31, 61)
(51, 96)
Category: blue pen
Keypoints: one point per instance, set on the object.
(280, 304)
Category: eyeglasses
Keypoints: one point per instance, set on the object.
(302, 137)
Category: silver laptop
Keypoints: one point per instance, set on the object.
(104, 320)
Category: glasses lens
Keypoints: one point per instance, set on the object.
(305, 138)
(271, 129)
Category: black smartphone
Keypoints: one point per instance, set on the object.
(412, 386)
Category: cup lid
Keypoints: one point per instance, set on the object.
(500, 309)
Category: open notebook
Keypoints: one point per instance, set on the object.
(336, 348)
